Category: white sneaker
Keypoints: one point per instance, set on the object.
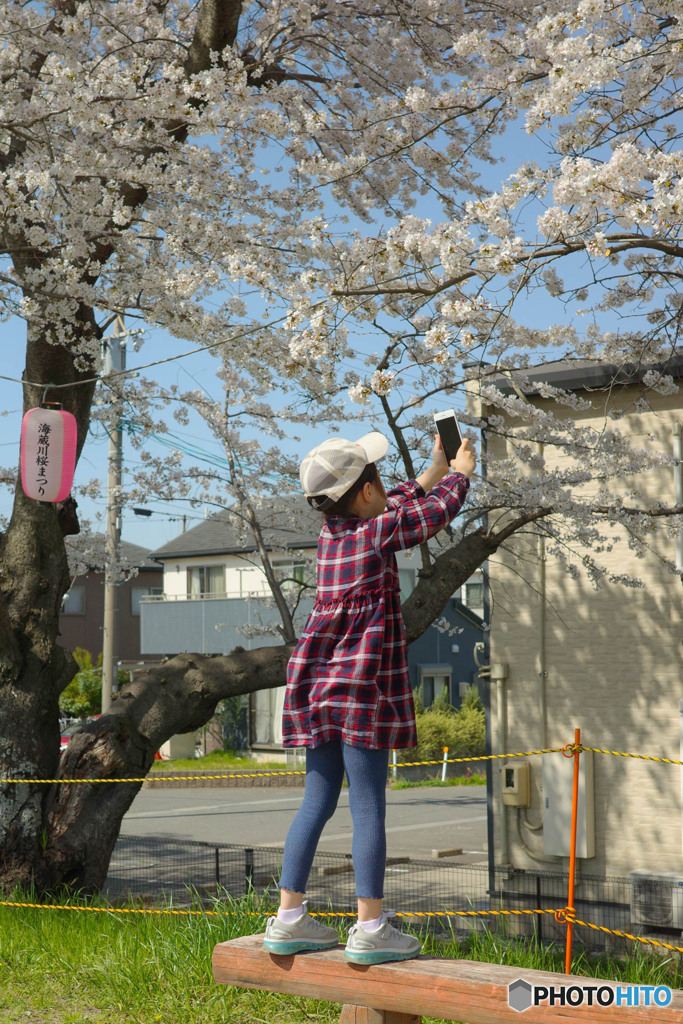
(387, 943)
(303, 934)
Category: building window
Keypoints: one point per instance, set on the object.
(472, 593)
(434, 682)
(292, 575)
(205, 579)
(74, 601)
(136, 593)
(265, 719)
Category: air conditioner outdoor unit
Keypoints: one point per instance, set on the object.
(657, 898)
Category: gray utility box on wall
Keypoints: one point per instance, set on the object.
(558, 785)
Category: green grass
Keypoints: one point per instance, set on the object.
(462, 780)
(69, 967)
(226, 761)
(220, 760)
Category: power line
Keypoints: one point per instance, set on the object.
(146, 366)
(173, 441)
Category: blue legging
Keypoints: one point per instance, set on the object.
(366, 772)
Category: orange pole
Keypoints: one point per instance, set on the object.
(572, 852)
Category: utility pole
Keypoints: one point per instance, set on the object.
(114, 361)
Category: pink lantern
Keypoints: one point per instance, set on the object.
(48, 453)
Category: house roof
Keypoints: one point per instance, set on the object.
(285, 525)
(137, 556)
(466, 613)
(87, 551)
(582, 375)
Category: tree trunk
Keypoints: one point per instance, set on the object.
(44, 832)
(63, 834)
(83, 820)
(34, 669)
(435, 586)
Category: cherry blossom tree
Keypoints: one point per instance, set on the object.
(154, 155)
(294, 186)
(590, 231)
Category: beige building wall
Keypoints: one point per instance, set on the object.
(613, 666)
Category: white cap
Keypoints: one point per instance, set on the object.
(334, 466)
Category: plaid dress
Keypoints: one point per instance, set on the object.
(348, 675)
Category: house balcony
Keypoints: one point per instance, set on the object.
(210, 623)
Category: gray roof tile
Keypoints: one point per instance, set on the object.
(288, 525)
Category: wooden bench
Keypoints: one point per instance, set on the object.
(402, 992)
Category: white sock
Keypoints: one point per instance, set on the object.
(290, 916)
(374, 925)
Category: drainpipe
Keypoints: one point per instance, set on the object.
(499, 673)
(540, 652)
(484, 678)
(541, 648)
(482, 652)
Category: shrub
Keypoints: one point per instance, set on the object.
(462, 731)
(83, 695)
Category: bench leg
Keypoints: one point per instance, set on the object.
(366, 1015)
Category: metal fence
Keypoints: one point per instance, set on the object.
(160, 867)
(154, 869)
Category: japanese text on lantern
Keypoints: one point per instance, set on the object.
(43, 456)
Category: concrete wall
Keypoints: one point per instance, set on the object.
(207, 626)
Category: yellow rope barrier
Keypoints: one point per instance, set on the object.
(640, 757)
(258, 775)
(559, 913)
(483, 757)
(627, 935)
(563, 915)
(120, 910)
(469, 913)
(153, 777)
(264, 913)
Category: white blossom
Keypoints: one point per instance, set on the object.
(344, 203)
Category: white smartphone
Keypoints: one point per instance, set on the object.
(449, 432)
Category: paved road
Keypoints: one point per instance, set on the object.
(418, 820)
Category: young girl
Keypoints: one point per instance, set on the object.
(349, 699)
